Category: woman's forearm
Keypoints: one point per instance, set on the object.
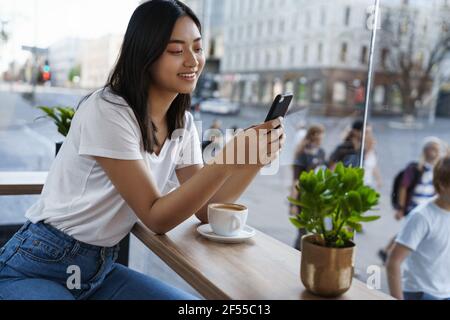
(172, 209)
(231, 190)
(402, 198)
(394, 279)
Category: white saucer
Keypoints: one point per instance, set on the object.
(206, 231)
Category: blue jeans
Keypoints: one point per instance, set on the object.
(421, 296)
(42, 263)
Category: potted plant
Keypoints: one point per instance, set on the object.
(332, 207)
(62, 117)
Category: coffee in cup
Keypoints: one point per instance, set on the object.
(227, 219)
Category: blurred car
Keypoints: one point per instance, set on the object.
(219, 106)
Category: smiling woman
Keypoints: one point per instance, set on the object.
(126, 145)
(163, 62)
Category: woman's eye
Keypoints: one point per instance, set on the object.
(199, 50)
(175, 52)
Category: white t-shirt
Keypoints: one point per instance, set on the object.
(427, 233)
(78, 197)
(424, 189)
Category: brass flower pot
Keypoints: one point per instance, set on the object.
(326, 272)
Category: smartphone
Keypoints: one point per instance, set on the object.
(279, 106)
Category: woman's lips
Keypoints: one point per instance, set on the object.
(191, 76)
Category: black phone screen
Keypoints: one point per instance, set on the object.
(279, 106)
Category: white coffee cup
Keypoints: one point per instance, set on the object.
(227, 219)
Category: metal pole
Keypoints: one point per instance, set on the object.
(369, 80)
(34, 77)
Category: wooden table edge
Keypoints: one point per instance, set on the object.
(178, 263)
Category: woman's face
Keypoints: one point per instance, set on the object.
(317, 139)
(180, 66)
(432, 152)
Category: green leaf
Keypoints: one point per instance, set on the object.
(356, 226)
(373, 197)
(297, 223)
(305, 182)
(368, 218)
(354, 201)
(340, 169)
(321, 175)
(339, 243)
(350, 179)
(50, 112)
(62, 117)
(346, 234)
(320, 188)
(296, 202)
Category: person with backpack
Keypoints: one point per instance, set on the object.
(418, 266)
(413, 186)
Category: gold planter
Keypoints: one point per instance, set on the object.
(326, 272)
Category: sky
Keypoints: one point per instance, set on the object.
(43, 22)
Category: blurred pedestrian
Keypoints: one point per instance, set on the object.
(308, 156)
(422, 247)
(413, 186)
(372, 175)
(348, 152)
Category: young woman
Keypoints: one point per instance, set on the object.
(308, 156)
(128, 145)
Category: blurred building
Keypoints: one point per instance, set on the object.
(65, 60)
(318, 50)
(98, 57)
(412, 56)
(211, 15)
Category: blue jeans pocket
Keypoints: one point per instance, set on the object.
(41, 249)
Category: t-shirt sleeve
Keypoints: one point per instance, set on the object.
(191, 151)
(109, 131)
(414, 231)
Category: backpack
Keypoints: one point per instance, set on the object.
(398, 182)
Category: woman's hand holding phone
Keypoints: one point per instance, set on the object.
(258, 145)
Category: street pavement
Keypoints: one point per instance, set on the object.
(28, 144)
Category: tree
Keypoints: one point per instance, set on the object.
(414, 44)
(74, 72)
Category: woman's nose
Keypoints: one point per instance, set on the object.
(191, 61)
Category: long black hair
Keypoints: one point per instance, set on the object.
(146, 39)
